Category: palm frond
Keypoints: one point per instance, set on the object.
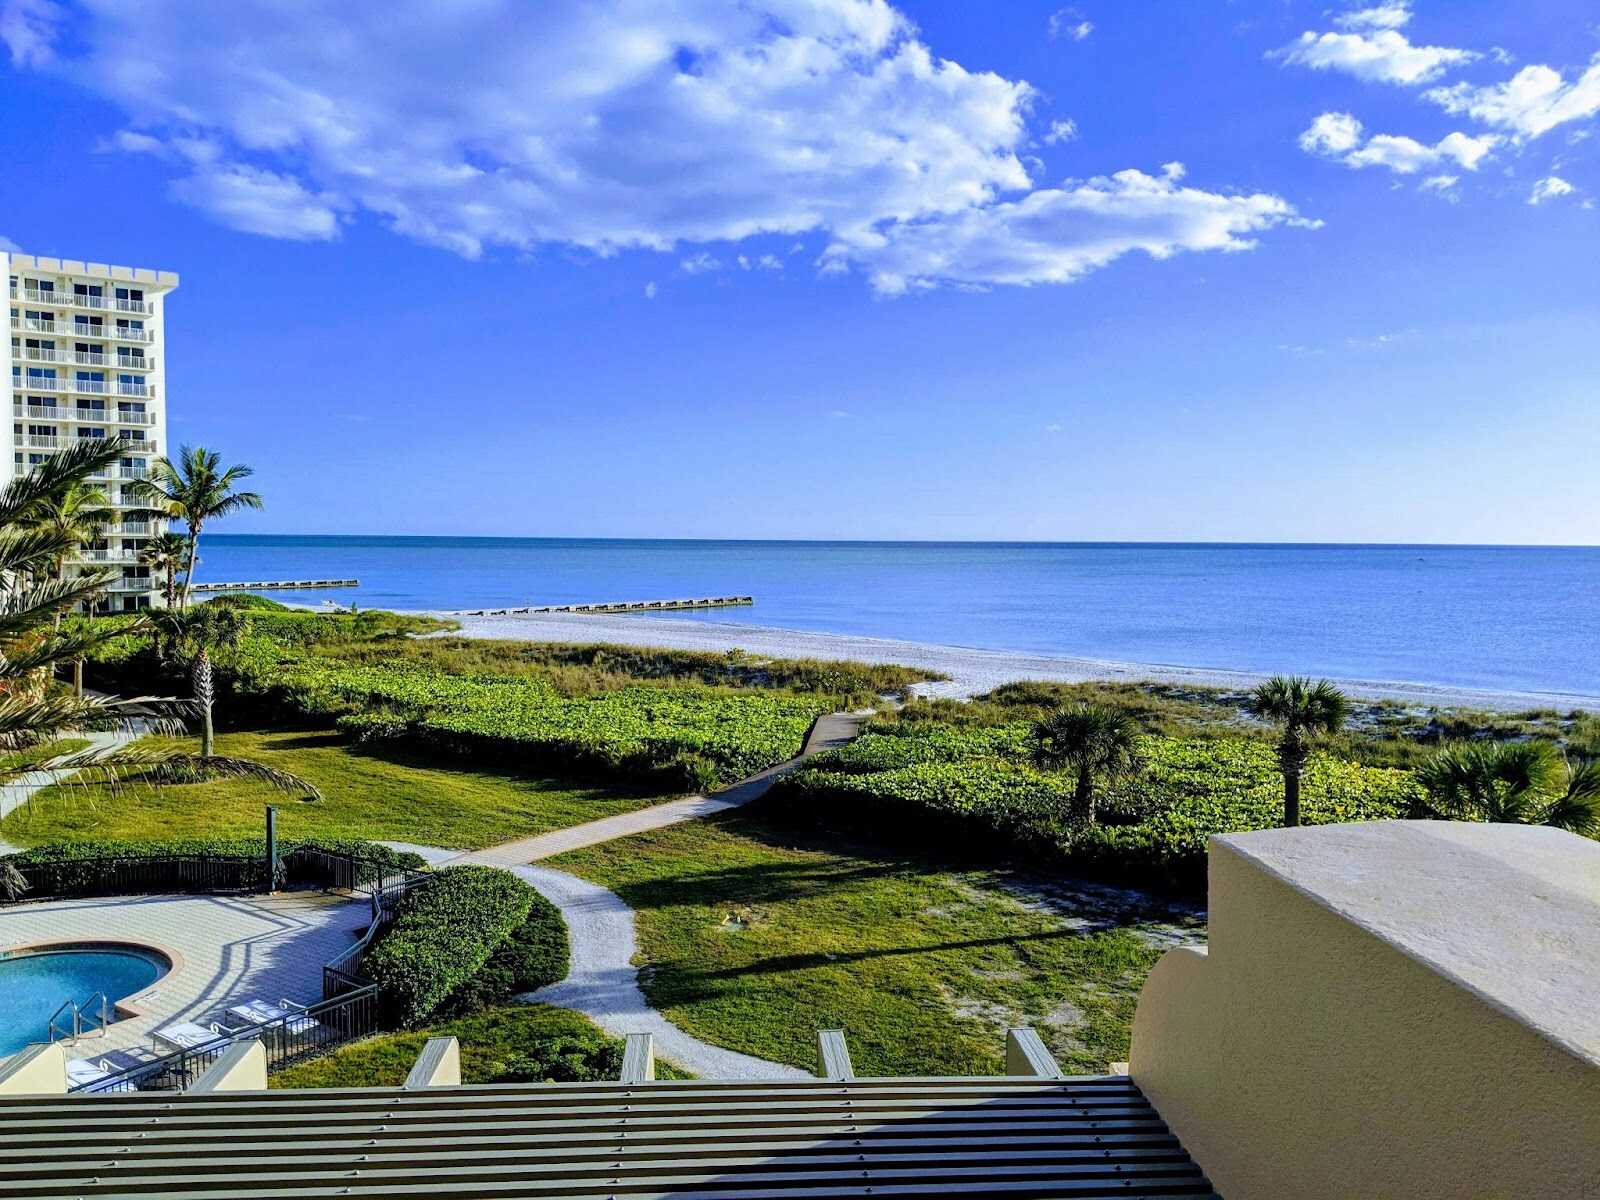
(21, 498)
(137, 764)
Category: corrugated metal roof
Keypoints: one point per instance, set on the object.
(1016, 1137)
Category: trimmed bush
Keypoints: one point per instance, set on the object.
(571, 1058)
(534, 956)
(443, 935)
(99, 868)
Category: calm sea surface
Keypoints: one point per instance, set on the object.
(1490, 617)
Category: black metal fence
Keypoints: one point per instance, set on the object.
(349, 1006)
(300, 1035)
(67, 879)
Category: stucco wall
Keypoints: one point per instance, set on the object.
(1397, 1011)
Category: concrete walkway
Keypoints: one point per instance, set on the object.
(830, 731)
(17, 792)
(602, 980)
(603, 983)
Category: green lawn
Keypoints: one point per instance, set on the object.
(756, 934)
(488, 1041)
(17, 761)
(366, 793)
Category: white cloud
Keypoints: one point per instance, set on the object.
(29, 29)
(650, 290)
(1052, 429)
(1550, 188)
(699, 264)
(1532, 102)
(258, 201)
(1442, 185)
(1379, 55)
(600, 125)
(1381, 16)
(8, 246)
(1339, 136)
(1056, 235)
(1065, 130)
(1069, 22)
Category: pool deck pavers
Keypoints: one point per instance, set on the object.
(234, 948)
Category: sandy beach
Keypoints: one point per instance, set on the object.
(971, 671)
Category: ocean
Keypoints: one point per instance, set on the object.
(1501, 618)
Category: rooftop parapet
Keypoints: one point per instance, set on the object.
(1391, 1008)
(163, 280)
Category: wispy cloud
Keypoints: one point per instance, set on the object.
(1532, 102)
(1070, 23)
(1552, 187)
(1340, 136)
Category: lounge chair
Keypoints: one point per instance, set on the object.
(286, 1014)
(83, 1075)
(186, 1035)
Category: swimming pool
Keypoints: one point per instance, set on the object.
(36, 981)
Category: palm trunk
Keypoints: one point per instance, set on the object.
(203, 696)
(189, 561)
(77, 677)
(1292, 754)
(1083, 796)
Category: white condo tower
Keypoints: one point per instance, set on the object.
(86, 358)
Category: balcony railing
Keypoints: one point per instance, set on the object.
(134, 389)
(41, 441)
(38, 383)
(104, 303)
(133, 473)
(88, 387)
(100, 416)
(87, 358)
(117, 556)
(134, 529)
(73, 329)
(130, 583)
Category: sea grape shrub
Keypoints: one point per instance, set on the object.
(965, 785)
(565, 1058)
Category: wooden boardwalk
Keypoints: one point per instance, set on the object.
(620, 606)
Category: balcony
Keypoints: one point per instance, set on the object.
(134, 389)
(60, 299)
(74, 330)
(98, 416)
(109, 556)
(41, 441)
(134, 529)
(37, 383)
(133, 584)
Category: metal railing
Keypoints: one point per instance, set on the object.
(349, 1008)
(98, 1019)
(107, 416)
(81, 329)
(303, 1033)
(77, 300)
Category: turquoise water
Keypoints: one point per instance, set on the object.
(34, 985)
(1507, 618)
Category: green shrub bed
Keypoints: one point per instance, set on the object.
(471, 935)
(99, 868)
(949, 784)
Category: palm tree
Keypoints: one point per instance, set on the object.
(194, 489)
(1091, 740)
(164, 553)
(81, 512)
(1519, 783)
(1303, 710)
(194, 635)
(33, 708)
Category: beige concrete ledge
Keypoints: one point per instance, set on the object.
(439, 1065)
(1386, 1009)
(40, 1070)
(242, 1067)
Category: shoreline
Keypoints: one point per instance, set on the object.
(971, 671)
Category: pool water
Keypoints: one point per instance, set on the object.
(34, 983)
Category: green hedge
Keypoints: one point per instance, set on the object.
(964, 788)
(91, 868)
(534, 956)
(443, 935)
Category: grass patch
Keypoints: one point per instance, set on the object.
(489, 1042)
(368, 792)
(17, 761)
(755, 934)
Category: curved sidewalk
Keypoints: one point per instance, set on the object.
(829, 732)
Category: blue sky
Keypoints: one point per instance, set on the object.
(1186, 270)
